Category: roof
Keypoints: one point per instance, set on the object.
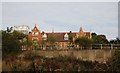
(59, 37)
(35, 29)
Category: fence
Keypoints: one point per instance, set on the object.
(105, 46)
(91, 46)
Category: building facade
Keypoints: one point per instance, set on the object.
(60, 40)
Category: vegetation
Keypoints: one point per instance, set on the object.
(115, 41)
(35, 43)
(114, 61)
(83, 42)
(51, 41)
(44, 44)
(71, 40)
(99, 39)
(12, 42)
(61, 63)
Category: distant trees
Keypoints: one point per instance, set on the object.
(51, 41)
(71, 39)
(12, 41)
(115, 41)
(44, 44)
(99, 39)
(35, 43)
(83, 42)
(95, 41)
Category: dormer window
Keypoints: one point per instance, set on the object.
(66, 36)
(44, 37)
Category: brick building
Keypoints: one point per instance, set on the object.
(61, 39)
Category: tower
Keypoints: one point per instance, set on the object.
(81, 32)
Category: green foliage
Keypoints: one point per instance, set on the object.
(83, 42)
(99, 39)
(11, 41)
(71, 38)
(35, 43)
(115, 41)
(71, 44)
(51, 40)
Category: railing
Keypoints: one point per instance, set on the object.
(105, 46)
(92, 46)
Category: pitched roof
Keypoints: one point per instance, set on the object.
(35, 29)
(59, 37)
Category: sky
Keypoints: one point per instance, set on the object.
(100, 17)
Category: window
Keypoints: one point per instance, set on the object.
(44, 37)
(66, 36)
(33, 33)
(36, 33)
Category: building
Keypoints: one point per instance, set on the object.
(35, 34)
(22, 28)
(60, 39)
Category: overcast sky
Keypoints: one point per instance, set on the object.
(100, 17)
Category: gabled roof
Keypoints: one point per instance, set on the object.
(35, 29)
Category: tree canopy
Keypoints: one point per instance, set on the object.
(84, 42)
(11, 42)
(99, 39)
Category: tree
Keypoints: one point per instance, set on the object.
(44, 44)
(51, 41)
(99, 39)
(29, 43)
(35, 43)
(83, 42)
(115, 41)
(9, 29)
(11, 42)
(71, 39)
(94, 34)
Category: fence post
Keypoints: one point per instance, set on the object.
(101, 46)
